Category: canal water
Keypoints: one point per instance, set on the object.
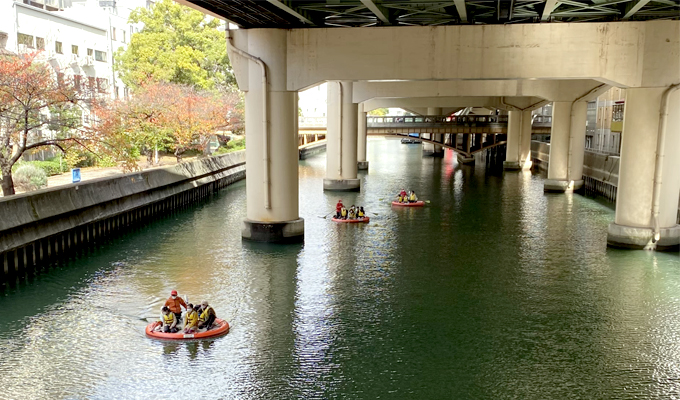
(495, 290)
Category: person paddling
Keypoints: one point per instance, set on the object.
(338, 209)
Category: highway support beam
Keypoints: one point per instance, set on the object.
(362, 163)
(518, 153)
(272, 209)
(567, 147)
(341, 139)
(649, 182)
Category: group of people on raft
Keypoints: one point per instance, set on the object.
(404, 197)
(200, 317)
(352, 213)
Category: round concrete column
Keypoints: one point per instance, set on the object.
(633, 225)
(567, 147)
(437, 151)
(518, 153)
(362, 163)
(341, 147)
(271, 168)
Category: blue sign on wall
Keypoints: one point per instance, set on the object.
(75, 175)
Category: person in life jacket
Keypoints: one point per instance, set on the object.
(207, 317)
(338, 208)
(412, 198)
(361, 213)
(168, 321)
(191, 325)
(352, 214)
(343, 213)
(402, 196)
(175, 304)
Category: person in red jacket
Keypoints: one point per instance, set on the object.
(175, 304)
(338, 209)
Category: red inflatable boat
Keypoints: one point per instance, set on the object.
(418, 203)
(352, 221)
(220, 327)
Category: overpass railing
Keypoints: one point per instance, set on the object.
(436, 119)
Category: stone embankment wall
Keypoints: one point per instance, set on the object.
(48, 225)
(600, 171)
(311, 149)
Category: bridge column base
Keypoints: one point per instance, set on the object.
(342, 185)
(432, 153)
(561, 186)
(362, 165)
(516, 166)
(465, 160)
(630, 237)
(274, 232)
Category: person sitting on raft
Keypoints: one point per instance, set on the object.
(175, 304)
(191, 325)
(361, 213)
(168, 321)
(412, 197)
(207, 317)
(352, 214)
(343, 213)
(338, 209)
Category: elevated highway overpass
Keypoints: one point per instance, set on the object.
(435, 55)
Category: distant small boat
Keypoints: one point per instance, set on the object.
(352, 221)
(220, 327)
(418, 203)
(410, 141)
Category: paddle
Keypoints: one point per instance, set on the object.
(326, 216)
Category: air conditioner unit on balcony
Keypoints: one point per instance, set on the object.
(74, 58)
(88, 60)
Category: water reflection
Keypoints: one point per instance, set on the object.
(494, 290)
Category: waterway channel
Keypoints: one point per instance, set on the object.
(495, 290)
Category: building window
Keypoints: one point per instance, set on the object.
(100, 55)
(113, 33)
(40, 43)
(26, 40)
(58, 48)
(102, 85)
(123, 36)
(90, 52)
(74, 49)
(617, 112)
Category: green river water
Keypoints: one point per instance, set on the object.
(495, 290)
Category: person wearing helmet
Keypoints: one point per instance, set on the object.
(175, 304)
(338, 209)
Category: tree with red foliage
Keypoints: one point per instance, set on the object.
(28, 92)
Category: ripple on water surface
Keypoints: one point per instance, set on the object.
(495, 290)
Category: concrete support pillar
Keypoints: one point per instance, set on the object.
(271, 152)
(362, 163)
(567, 147)
(518, 154)
(634, 225)
(341, 147)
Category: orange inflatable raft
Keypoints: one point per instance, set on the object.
(418, 203)
(352, 221)
(220, 327)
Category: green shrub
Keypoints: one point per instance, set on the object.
(29, 177)
(232, 145)
(51, 166)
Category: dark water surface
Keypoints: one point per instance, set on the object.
(493, 291)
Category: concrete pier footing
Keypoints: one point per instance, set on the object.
(630, 237)
(362, 165)
(465, 160)
(274, 232)
(342, 185)
(561, 185)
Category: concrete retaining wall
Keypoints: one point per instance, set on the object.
(39, 226)
(312, 149)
